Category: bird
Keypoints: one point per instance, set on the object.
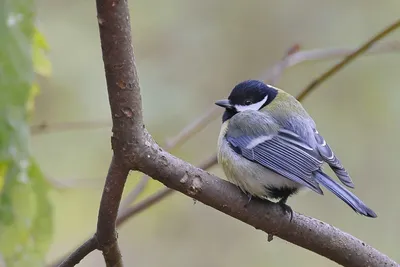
(269, 147)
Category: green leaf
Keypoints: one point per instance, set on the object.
(26, 229)
(41, 63)
(16, 69)
(25, 210)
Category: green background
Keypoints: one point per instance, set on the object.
(189, 54)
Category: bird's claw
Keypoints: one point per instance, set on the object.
(286, 208)
(248, 201)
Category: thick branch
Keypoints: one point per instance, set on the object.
(127, 213)
(303, 231)
(135, 149)
(122, 80)
(126, 112)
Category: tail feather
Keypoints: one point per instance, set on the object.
(348, 197)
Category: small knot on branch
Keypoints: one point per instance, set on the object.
(195, 187)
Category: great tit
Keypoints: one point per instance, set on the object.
(270, 147)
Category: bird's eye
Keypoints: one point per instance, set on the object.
(248, 102)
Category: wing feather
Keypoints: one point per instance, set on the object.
(329, 157)
(284, 153)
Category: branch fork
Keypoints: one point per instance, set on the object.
(134, 149)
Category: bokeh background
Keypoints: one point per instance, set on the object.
(189, 54)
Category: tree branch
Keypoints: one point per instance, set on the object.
(127, 212)
(303, 231)
(79, 253)
(126, 111)
(135, 149)
(186, 133)
(212, 191)
(193, 128)
(134, 194)
(292, 57)
(113, 188)
(158, 196)
(277, 70)
(45, 127)
(349, 58)
(328, 53)
(74, 183)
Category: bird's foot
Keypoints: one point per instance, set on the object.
(248, 201)
(286, 208)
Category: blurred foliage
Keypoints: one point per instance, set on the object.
(25, 210)
(190, 53)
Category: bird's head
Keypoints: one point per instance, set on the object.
(247, 95)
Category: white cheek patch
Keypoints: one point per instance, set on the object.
(255, 106)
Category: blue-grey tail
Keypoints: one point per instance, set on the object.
(348, 197)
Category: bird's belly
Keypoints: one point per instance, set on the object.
(251, 177)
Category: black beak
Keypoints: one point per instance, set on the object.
(224, 103)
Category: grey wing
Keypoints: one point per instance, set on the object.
(284, 152)
(329, 157)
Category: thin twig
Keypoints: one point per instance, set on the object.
(186, 133)
(180, 138)
(67, 126)
(135, 193)
(193, 128)
(74, 183)
(181, 176)
(289, 60)
(79, 253)
(200, 123)
(143, 205)
(348, 59)
(158, 196)
(272, 76)
(292, 57)
(129, 212)
(281, 66)
(328, 53)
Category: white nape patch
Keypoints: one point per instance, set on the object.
(255, 106)
(255, 142)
